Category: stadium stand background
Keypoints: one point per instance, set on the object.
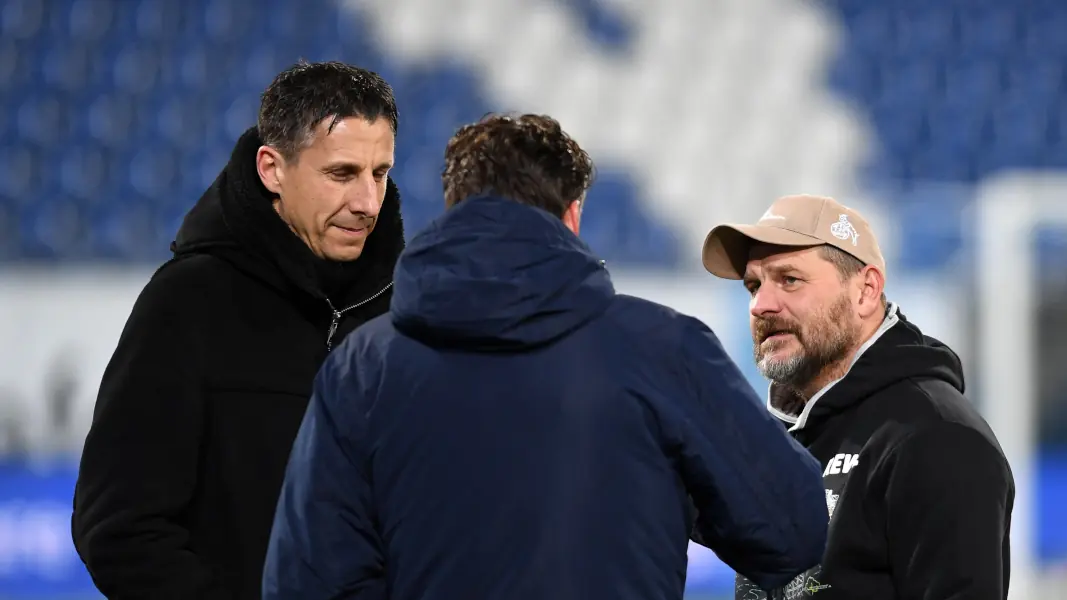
(116, 114)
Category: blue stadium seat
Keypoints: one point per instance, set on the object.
(932, 217)
(910, 82)
(936, 164)
(1051, 246)
(20, 174)
(902, 127)
(955, 130)
(888, 167)
(859, 79)
(1022, 125)
(124, 232)
(603, 26)
(870, 31)
(923, 35)
(988, 32)
(9, 230)
(1043, 29)
(968, 81)
(1055, 155)
(1038, 77)
(82, 171)
(55, 228)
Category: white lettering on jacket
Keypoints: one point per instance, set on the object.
(841, 463)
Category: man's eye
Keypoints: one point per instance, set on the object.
(790, 280)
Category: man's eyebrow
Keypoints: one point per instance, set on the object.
(779, 270)
(782, 268)
(344, 165)
(340, 166)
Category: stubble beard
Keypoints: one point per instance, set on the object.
(824, 343)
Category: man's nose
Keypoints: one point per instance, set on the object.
(765, 301)
(362, 196)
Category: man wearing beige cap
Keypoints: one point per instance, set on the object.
(917, 488)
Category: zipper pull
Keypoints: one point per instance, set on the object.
(333, 325)
(333, 329)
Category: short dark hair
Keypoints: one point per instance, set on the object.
(305, 94)
(846, 264)
(526, 158)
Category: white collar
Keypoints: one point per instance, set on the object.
(798, 422)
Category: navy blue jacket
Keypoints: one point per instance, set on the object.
(516, 429)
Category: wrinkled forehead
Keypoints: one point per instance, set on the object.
(762, 257)
(352, 135)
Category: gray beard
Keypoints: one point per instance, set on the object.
(783, 372)
(797, 371)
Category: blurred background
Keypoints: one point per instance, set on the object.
(944, 122)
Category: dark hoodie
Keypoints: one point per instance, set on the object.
(206, 390)
(919, 492)
(515, 429)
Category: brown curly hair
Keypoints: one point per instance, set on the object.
(528, 159)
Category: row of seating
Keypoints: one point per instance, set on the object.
(122, 111)
(115, 115)
(955, 91)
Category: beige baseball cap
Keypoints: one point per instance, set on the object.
(800, 220)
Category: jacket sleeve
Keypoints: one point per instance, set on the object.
(139, 463)
(324, 543)
(949, 495)
(758, 494)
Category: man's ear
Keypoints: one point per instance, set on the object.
(271, 168)
(872, 284)
(572, 217)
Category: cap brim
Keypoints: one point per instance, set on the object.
(727, 247)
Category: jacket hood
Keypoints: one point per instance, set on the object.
(235, 220)
(897, 351)
(493, 274)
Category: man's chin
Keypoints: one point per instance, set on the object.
(780, 367)
(344, 254)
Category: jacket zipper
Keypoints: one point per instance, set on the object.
(337, 314)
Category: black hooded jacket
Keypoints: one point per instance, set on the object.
(207, 388)
(918, 489)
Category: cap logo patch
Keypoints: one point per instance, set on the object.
(844, 230)
(771, 216)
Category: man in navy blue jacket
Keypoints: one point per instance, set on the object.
(516, 429)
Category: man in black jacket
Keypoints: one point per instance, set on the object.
(919, 492)
(290, 249)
